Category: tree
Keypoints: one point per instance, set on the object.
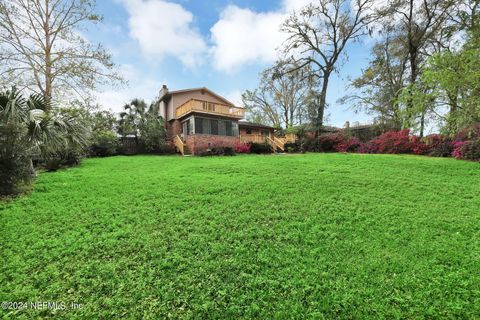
(454, 78)
(144, 123)
(132, 118)
(28, 130)
(41, 47)
(279, 100)
(318, 35)
(378, 89)
(421, 23)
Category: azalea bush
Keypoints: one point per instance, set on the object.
(241, 147)
(439, 145)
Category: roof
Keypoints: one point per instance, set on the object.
(252, 124)
(170, 93)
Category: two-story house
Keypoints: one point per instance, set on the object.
(199, 119)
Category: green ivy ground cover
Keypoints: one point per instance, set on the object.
(315, 236)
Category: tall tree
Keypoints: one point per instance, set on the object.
(378, 88)
(421, 22)
(318, 35)
(132, 118)
(279, 100)
(42, 49)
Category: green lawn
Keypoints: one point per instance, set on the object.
(296, 236)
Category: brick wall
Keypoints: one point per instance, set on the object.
(199, 143)
(173, 127)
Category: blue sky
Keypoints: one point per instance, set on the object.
(220, 44)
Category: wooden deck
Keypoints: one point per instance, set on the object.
(200, 106)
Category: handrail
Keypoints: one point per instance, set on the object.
(209, 107)
(179, 144)
(279, 143)
(271, 143)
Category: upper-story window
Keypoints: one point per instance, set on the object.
(208, 106)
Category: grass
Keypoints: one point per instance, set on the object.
(302, 236)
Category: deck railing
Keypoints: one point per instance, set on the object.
(256, 138)
(194, 105)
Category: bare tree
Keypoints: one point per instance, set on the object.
(280, 99)
(41, 47)
(377, 90)
(318, 35)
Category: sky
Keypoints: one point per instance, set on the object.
(219, 44)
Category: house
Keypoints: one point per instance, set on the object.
(198, 119)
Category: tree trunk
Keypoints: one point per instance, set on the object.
(321, 104)
(422, 124)
(48, 58)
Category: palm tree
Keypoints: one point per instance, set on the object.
(132, 119)
(28, 130)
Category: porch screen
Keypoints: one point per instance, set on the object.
(216, 127)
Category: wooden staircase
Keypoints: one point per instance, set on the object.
(181, 146)
(276, 144)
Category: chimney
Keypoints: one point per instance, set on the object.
(347, 125)
(163, 91)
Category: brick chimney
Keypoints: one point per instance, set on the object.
(163, 91)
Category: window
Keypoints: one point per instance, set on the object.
(208, 106)
(228, 128)
(221, 127)
(198, 125)
(249, 131)
(265, 133)
(187, 127)
(214, 127)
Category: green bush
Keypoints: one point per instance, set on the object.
(16, 171)
(104, 144)
(292, 147)
(260, 148)
(471, 150)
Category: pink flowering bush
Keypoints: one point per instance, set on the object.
(457, 152)
(241, 147)
(348, 144)
(337, 142)
(395, 142)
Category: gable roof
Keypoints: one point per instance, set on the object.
(204, 89)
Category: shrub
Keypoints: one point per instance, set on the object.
(228, 151)
(418, 146)
(439, 145)
(16, 171)
(260, 148)
(310, 144)
(396, 142)
(220, 151)
(241, 147)
(457, 152)
(292, 147)
(471, 150)
(368, 147)
(327, 142)
(347, 144)
(104, 144)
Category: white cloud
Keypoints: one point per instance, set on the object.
(139, 87)
(234, 97)
(242, 36)
(164, 28)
